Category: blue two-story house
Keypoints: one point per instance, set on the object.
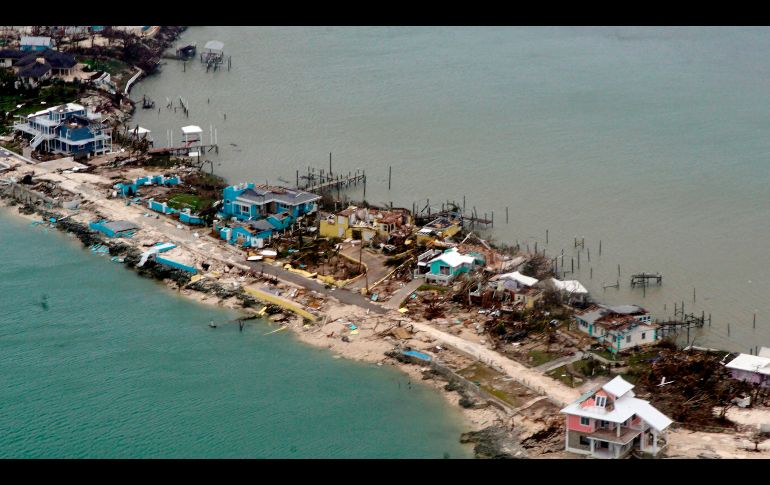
(253, 202)
(260, 210)
(68, 129)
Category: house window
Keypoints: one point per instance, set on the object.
(643, 335)
(604, 424)
(443, 270)
(601, 401)
(628, 339)
(584, 441)
(585, 421)
(583, 324)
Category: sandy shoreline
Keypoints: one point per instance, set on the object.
(367, 349)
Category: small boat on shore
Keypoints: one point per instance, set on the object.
(212, 324)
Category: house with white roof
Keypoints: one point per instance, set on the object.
(752, 368)
(523, 289)
(571, 291)
(610, 422)
(445, 267)
(68, 129)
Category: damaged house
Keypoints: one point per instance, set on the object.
(618, 327)
(522, 289)
(365, 223)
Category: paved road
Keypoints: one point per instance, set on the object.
(395, 300)
(343, 295)
(532, 378)
(375, 266)
(553, 364)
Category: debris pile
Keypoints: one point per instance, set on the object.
(697, 384)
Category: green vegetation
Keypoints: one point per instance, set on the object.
(442, 289)
(563, 375)
(189, 201)
(494, 383)
(31, 99)
(112, 66)
(540, 357)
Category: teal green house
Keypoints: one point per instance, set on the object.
(445, 267)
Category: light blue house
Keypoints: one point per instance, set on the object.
(129, 189)
(246, 234)
(29, 43)
(445, 267)
(187, 217)
(249, 202)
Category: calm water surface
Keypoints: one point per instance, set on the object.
(99, 362)
(652, 140)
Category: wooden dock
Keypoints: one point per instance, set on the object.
(320, 181)
(183, 150)
(643, 279)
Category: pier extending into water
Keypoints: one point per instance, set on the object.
(643, 279)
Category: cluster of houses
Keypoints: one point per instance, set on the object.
(37, 61)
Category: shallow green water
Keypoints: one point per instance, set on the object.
(98, 362)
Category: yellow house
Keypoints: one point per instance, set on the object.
(438, 229)
(362, 223)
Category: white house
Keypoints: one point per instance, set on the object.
(571, 290)
(752, 368)
(618, 327)
(610, 422)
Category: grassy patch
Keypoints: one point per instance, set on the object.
(112, 66)
(561, 374)
(188, 201)
(492, 382)
(540, 357)
(602, 352)
(442, 289)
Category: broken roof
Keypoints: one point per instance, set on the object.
(260, 225)
(120, 226)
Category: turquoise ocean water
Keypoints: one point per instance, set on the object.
(96, 361)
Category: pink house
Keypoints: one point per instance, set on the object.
(610, 422)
